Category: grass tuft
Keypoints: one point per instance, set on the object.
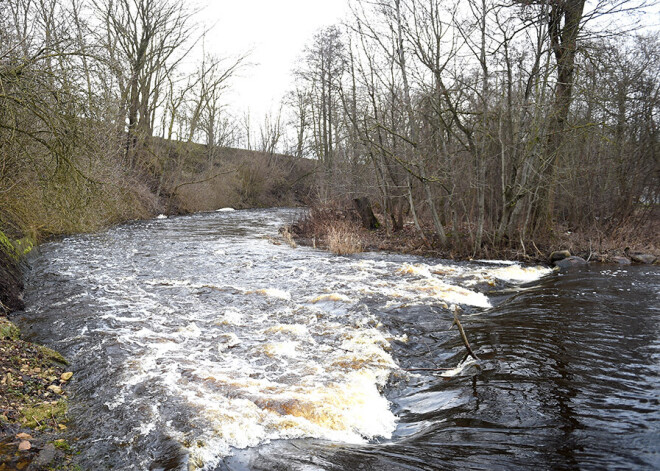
(344, 239)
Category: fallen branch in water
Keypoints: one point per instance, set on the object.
(457, 323)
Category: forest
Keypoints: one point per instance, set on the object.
(495, 128)
(478, 127)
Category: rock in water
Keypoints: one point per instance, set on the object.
(559, 255)
(571, 262)
(621, 260)
(645, 258)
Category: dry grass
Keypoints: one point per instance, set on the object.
(288, 237)
(332, 228)
(344, 239)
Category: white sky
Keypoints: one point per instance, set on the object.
(276, 31)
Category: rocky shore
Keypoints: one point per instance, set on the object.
(33, 384)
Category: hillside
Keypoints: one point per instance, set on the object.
(192, 178)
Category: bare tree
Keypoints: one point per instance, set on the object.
(144, 41)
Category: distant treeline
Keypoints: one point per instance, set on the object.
(489, 125)
(100, 122)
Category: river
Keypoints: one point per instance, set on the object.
(199, 342)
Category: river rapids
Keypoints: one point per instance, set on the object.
(200, 342)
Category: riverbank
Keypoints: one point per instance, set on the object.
(33, 383)
(33, 404)
(342, 230)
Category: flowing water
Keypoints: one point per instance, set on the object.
(199, 343)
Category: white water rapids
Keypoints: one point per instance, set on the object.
(257, 341)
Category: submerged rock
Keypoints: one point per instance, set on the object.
(571, 262)
(46, 457)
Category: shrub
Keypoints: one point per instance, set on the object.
(343, 239)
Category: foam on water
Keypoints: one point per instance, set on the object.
(519, 274)
(331, 297)
(258, 353)
(431, 287)
(272, 292)
(497, 262)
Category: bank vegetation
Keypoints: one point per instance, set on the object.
(108, 113)
(483, 128)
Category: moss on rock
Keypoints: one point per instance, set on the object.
(8, 330)
(51, 355)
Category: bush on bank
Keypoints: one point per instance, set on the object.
(329, 224)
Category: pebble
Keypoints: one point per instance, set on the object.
(24, 445)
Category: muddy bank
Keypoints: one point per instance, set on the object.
(11, 284)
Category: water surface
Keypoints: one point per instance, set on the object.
(198, 343)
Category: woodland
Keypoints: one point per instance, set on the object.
(476, 127)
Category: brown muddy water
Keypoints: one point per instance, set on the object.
(197, 343)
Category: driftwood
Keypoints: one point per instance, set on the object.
(470, 352)
(457, 323)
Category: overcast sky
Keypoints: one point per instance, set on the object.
(275, 31)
